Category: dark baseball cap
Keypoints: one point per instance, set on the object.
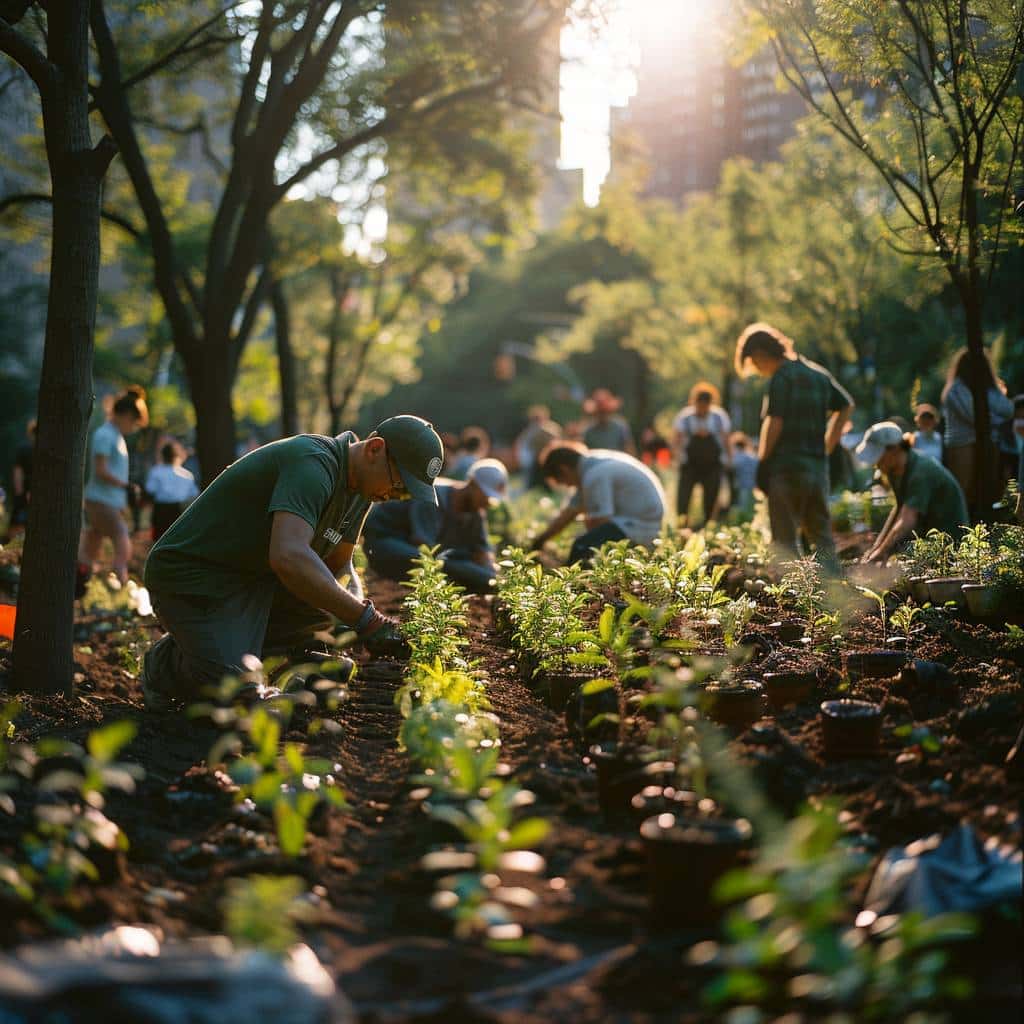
(418, 452)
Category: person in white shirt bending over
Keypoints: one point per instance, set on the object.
(170, 486)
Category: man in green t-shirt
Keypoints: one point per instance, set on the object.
(252, 566)
(928, 496)
(804, 412)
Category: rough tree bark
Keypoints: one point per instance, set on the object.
(43, 641)
(285, 360)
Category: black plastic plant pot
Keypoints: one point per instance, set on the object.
(850, 728)
(786, 688)
(945, 589)
(559, 685)
(787, 632)
(919, 588)
(529, 663)
(737, 705)
(984, 600)
(930, 677)
(685, 858)
(582, 708)
(661, 799)
(621, 774)
(879, 664)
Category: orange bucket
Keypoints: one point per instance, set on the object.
(8, 613)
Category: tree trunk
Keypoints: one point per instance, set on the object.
(211, 376)
(43, 643)
(285, 360)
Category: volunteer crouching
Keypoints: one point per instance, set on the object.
(252, 566)
(457, 522)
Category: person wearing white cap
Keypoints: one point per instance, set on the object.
(395, 530)
(928, 496)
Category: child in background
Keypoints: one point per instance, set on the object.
(170, 486)
(927, 439)
(744, 474)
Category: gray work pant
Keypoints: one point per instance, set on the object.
(798, 505)
(208, 637)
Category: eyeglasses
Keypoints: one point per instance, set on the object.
(397, 486)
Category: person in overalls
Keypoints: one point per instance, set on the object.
(253, 564)
(701, 440)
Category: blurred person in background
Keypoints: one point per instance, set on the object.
(958, 411)
(539, 432)
(927, 495)
(1018, 432)
(804, 414)
(701, 441)
(927, 438)
(457, 522)
(108, 487)
(744, 474)
(170, 487)
(475, 443)
(655, 451)
(21, 481)
(617, 495)
(606, 429)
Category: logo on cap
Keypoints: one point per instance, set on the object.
(433, 467)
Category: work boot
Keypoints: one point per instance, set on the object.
(323, 674)
(156, 701)
(387, 642)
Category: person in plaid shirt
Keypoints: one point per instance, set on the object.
(804, 412)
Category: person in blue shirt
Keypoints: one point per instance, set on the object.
(108, 487)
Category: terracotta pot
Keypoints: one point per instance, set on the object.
(984, 601)
(944, 589)
(785, 688)
(737, 705)
(851, 728)
(919, 588)
(879, 664)
(685, 858)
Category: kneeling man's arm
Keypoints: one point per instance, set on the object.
(339, 561)
(304, 573)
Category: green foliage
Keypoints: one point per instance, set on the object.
(787, 943)
(435, 618)
(449, 733)
(70, 830)
(280, 779)
(261, 912)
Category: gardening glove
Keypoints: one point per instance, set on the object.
(380, 634)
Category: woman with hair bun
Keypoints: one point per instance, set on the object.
(108, 486)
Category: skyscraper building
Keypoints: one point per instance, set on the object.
(694, 108)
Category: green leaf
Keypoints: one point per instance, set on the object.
(293, 757)
(587, 658)
(527, 834)
(104, 743)
(597, 686)
(606, 624)
(291, 829)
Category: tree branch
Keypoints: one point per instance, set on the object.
(24, 198)
(21, 49)
(383, 127)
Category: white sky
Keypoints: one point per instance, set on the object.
(597, 73)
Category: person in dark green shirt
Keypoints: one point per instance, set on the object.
(804, 412)
(252, 566)
(928, 496)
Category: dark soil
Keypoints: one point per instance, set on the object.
(595, 959)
